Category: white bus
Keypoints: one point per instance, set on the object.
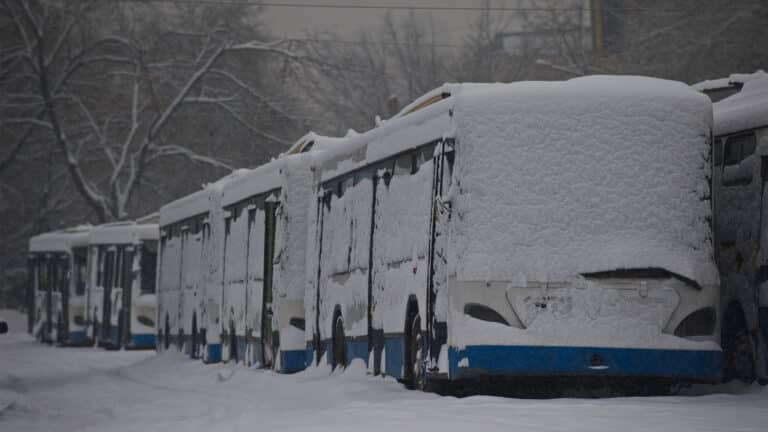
(537, 229)
(740, 176)
(58, 266)
(179, 289)
(190, 272)
(121, 298)
(265, 234)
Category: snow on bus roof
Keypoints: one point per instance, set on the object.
(747, 109)
(128, 232)
(427, 118)
(258, 180)
(197, 202)
(60, 241)
(268, 177)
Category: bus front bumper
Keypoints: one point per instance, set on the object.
(499, 360)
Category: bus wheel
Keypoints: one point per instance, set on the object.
(232, 342)
(414, 365)
(195, 348)
(339, 351)
(738, 354)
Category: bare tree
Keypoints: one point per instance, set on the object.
(109, 103)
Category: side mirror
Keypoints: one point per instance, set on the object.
(3, 327)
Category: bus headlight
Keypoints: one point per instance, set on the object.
(699, 323)
(484, 313)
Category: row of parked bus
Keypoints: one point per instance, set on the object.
(95, 285)
(536, 229)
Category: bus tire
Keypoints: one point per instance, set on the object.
(738, 352)
(195, 352)
(338, 342)
(413, 372)
(167, 339)
(232, 342)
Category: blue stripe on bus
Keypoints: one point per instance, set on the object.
(292, 361)
(78, 337)
(583, 361)
(146, 340)
(213, 353)
(114, 338)
(353, 348)
(393, 351)
(309, 355)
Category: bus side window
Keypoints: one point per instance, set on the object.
(738, 148)
(404, 164)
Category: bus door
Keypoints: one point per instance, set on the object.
(50, 274)
(441, 213)
(62, 328)
(267, 335)
(124, 317)
(106, 307)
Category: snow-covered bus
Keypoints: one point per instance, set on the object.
(740, 176)
(121, 298)
(531, 229)
(182, 223)
(58, 268)
(265, 234)
(190, 272)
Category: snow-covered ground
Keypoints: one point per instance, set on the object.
(82, 389)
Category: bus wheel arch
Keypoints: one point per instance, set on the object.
(738, 349)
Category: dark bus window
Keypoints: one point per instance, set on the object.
(404, 164)
(148, 266)
(109, 262)
(80, 270)
(53, 269)
(119, 268)
(42, 276)
(63, 266)
(738, 148)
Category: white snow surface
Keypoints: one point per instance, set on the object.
(591, 174)
(83, 389)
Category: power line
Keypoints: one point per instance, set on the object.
(298, 5)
